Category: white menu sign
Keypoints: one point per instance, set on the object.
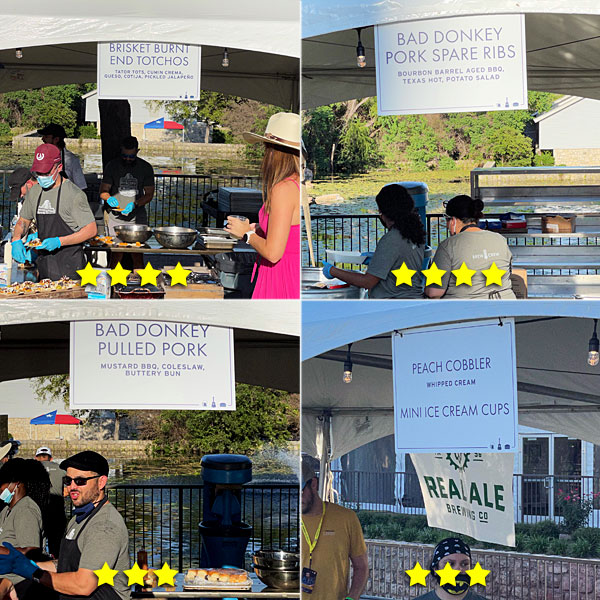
(458, 64)
(151, 70)
(151, 365)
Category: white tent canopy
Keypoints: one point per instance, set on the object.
(563, 43)
(557, 390)
(34, 335)
(59, 41)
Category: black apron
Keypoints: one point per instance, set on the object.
(66, 260)
(68, 562)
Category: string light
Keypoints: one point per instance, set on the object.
(347, 377)
(594, 347)
(225, 61)
(19, 52)
(361, 59)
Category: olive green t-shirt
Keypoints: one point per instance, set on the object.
(104, 539)
(393, 250)
(74, 206)
(341, 537)
(478, 250)
(22, 527)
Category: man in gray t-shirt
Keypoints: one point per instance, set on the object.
(478, 249)
(96, 535)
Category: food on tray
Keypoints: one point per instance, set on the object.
(100, 240)
(34, 243)
(150, 579)
(45, 285)
(206, 577)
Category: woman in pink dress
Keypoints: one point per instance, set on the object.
(276, 236)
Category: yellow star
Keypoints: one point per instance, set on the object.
(166, 575)
(135, 575)
(179, 275)
(433, 275)
(477, 574)
(118, 275)
(447, 574)
(493, 275)
(403, 275)
(463, 275)
(417, 575)
(88, 275)
(148, 274)
(106, 575)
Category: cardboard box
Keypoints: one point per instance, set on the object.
(518, 279)
(558, 224)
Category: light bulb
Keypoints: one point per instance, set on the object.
(361, 59)
(594, 347)
(225, 61)
(347, 377)
(593, 358)
(19, 53)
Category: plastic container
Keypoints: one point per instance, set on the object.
(100, 291)
(235, 269)
(420, 195)
(345, 257)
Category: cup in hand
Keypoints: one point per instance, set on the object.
(239, 217)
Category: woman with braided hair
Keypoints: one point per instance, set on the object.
(404, 242)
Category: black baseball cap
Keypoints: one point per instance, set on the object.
(88, 460)
(16, 180)
(54, 130)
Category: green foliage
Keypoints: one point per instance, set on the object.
(545, 159)
(4, 129)
(410, 534)
(536, 544)
(255, 152)
(521, 542)
(547, 528)
(591, 534)
(575, 508)
(262, 416)
(509, 147)
(222, 136)
(320, 133)
(558, 547)
(446, 163)
(358, 150)
(51, 389)
(88, 132)
(581, 549)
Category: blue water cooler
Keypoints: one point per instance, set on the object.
(224, 535)
(420, 194)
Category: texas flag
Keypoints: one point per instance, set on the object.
(52, 418)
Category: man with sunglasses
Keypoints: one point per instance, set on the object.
(127, 186)
(63, 217)
(332, 540)
(95, 535)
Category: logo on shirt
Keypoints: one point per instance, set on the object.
(329, 532)
(71, 534)
(46, 208)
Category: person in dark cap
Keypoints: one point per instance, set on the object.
(63, 217)
(55, 134)
(19, 182)
(96, 534)
(457, 554)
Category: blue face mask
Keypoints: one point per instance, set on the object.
(46, 181)
(6, 496)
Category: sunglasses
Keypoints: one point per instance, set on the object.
(130, 156)
(79, 481)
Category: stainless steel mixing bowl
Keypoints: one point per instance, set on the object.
(133, 233)
(278, 579)
(175, 237)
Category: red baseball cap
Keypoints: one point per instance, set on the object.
(46, 156)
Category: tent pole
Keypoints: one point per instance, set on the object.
(324, 468)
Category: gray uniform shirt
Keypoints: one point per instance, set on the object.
(73, 169)
(104, 539)
(478, 250)
(56, 474)
(22, 526)
(74, 206)
(393, 250)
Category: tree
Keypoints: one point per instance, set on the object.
(509, 147)
(358, 149)
(320, 135)
(210, 109)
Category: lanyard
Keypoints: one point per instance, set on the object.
(312, 545)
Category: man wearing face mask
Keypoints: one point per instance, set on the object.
(63, 216)
(95, 535)
(127, 187)
(457, 554)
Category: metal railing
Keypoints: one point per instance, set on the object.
(164, 519)
(177, 199)
(536, 497)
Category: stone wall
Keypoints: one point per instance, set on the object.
(513, 575)
(21, 430)
(577, 157)
(167, 148)
(123, 449)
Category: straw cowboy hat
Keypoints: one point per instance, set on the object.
(283, 129)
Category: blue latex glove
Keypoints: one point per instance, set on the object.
(327, 270)
(19, 252)
(16, 563)
(50, 244)
(112, 202)
(369, 256)
(127, 210)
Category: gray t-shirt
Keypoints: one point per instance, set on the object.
(104, 539)
(73, 169)
(478, 250)
(470, 595)
(74, 206)
(22, 526)
(56, 474)
(393, 250)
